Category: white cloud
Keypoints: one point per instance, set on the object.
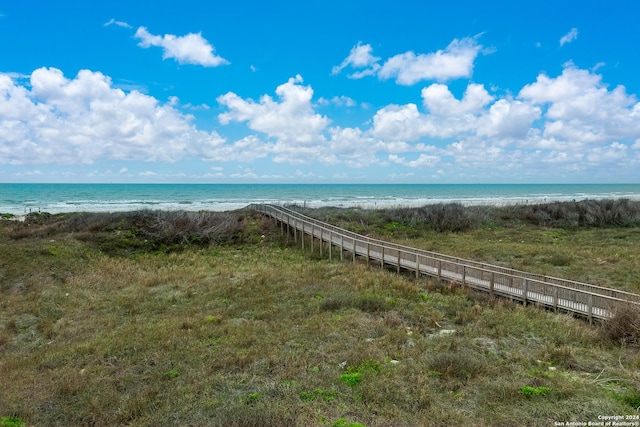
(508, 119)
(400, 123)
(569, 37)
(360, 56)
(579, 107)
(440, 101)
(81, 120)
(340, 101)
(455, 61)
(423, 161)
(246, 149)
(112, 21)
(290, 120)
(189, 49)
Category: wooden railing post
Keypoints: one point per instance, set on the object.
(417, 265)
(440, 269)
(368, 251)
(491, 284)
(464, 275)
(398, 260)
(525, 290)
(590, 307)
(341, 247)
(354, 249)
(302, 235)
(555, 298)
(288, 231)
(330, 245)
(382, 259)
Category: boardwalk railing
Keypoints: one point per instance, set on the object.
(593, 302)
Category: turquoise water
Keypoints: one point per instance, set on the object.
(56, 198)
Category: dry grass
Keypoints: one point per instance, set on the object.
(261, 334)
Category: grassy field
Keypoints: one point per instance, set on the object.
(202, 319)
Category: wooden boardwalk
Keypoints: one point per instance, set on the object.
(590, 301)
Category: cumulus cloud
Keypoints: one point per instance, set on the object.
(569, 37)
(440, 101)
(580, 107)
(54, 119)
(189, 49)
(453, 62)
(290, 120)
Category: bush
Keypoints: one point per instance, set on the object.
(138, 230)
(624, 326)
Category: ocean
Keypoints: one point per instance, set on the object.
(19, 199)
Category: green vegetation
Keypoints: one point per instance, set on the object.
(529, 391)
(110, 319)
(11, 422)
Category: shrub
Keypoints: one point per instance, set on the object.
(624, 326)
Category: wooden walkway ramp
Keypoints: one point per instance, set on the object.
(590, 301)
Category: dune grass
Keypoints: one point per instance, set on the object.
(99, 327)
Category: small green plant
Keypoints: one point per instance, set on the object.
(11, 422)
(351, 379)
(368, 366)
(172, 373)
(528, 391)
(252, 397)
(425, 297)
(343, 422)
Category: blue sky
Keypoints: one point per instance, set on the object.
(320, 91)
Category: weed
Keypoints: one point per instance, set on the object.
(343, 422)
(252, 397)
(173, 373)
(351, 379)
(528, 391)
(11, 422)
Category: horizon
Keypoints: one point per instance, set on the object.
(332, 93)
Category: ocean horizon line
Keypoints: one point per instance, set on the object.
(88, 197)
